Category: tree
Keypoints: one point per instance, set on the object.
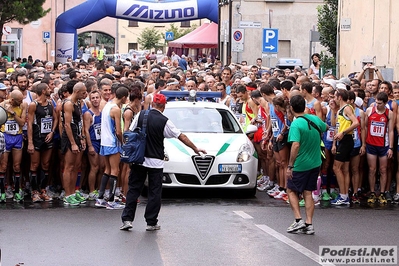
(327, 16)
(178, 32)
(149, 38)
(23, 12)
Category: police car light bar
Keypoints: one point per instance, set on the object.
(202, 94)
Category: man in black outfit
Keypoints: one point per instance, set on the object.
(158, 128)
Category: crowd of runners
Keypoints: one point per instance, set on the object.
(66, 120)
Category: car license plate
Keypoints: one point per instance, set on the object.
(230, 168)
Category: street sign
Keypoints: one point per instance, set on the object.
(6, 30)
(250, 24)
(238, 40)
(169, 36)
(46, 36)
(270, 41)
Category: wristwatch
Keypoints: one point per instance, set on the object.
(290, 167)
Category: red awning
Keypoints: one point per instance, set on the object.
(205, 36)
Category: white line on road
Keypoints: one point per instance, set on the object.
(308, 253)
(243, 215)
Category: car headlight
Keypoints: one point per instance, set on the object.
(244, 153)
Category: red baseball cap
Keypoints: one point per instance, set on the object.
(159, 98)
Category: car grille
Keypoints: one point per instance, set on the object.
(187, 179)
(203, 165)
(218, 179)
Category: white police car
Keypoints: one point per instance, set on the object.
(231, 161)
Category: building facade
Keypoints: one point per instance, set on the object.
(294, 20)
(368, 32)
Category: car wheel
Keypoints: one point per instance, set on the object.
(249, 193)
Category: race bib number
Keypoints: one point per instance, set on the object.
(275, 127)
(97, 131)
(11, 127)
(330, 134)
(46, 125)
(377, 129)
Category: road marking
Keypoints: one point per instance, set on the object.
(308, 253)
(282, 238)
(243, 215)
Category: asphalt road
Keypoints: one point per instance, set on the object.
(197, 228)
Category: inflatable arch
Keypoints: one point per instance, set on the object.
(159, 11)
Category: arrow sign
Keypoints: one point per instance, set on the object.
(270, 41)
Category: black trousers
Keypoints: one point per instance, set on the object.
(138, 174)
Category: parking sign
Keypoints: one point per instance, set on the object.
(270, 41)
(46, 36)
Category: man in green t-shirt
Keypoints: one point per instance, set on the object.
(304, 164)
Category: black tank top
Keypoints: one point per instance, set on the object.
(43, 121)
(76, 124)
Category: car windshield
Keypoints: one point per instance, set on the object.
(203, 120)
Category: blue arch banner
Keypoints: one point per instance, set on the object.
(155, 11)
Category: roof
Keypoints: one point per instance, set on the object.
(183, 104)
(206, 36)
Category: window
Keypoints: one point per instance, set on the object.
(185, 24)
(133, 46)
(133, 23)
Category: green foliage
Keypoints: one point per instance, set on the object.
(327, 16)
(180, 32)
(23, 12)
(149, 38)
(327, 62)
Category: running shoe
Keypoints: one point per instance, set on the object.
(285, 197)
(280, 195)
(93, 195)
(272, 192)
(9, 193)
(3, 197)
(295, 226)
(382, 199)
(62, 195)
(44, 196)
(355, 199)
(18, 198)
(316, 199)
(101, 203)
(113, 205)
(153, 227)
(372, 198)
(334, 194)
(126, 226)
(302, 203)
(84, 195)
(70, 200)
(388, 196)
(51, 193)
(79, 197)
(36, 196)
(307, 230)
(396, 198)
(263, 186)
(120, 198)
(325, 196)
(270, 185)
(340, 201)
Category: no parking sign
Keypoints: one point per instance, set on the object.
(237, 40)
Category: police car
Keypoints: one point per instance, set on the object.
(231, 161)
